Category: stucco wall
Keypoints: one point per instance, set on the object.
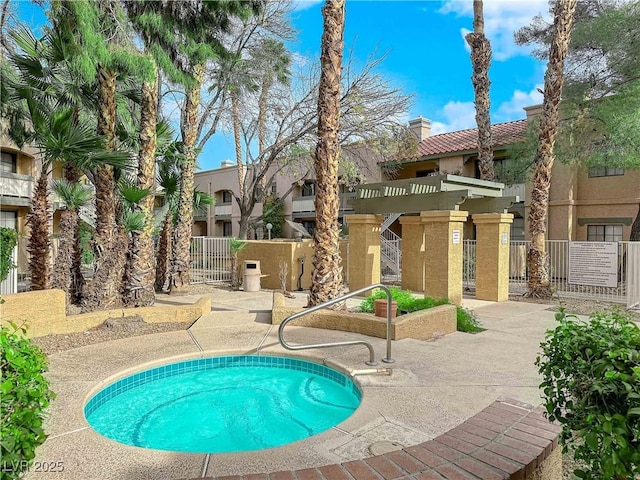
(44, 312)
(421, 325)
(271, 253)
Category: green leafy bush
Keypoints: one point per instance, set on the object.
(25, 394)
(8, 241)
(466, 319)
(591, 386)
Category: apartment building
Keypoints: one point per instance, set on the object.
(294, 184)
(585, 204)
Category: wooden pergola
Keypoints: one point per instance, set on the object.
(438, 192)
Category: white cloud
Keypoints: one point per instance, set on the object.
(513, 108)
(462, 115)
(502, 18)
(304, 4)
(457, 116)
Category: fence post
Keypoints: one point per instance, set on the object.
(492, 255)
(364, 250)
(412, 253)
(443, 253)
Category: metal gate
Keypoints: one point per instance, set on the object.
(210, 259)
(627, 289)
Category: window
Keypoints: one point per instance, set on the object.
(274, 189)
(604, 233)
(309, 226)
(226, 229)
(308, 189)
(509, 171)
(9, 220)
(605, 172)
(226, 196)
(8, 162)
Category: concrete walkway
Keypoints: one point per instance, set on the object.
(434, 386)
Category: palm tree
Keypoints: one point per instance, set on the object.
(481, 60)
(134, 220)
(236, 246)
(273, 61)
(53, 121)
(65, 277)
(326, 277)
(539, 282)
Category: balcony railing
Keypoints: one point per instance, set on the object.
(223, 210)
(307, 204)
(16, 185)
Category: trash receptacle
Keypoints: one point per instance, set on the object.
(251, 282)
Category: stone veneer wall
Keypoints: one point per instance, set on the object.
(44, 312)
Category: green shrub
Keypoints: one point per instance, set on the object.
(467, 321)
(24, 394)
(591, 372)
(404, 298)
(8, 241)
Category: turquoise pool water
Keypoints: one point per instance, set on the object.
(223, 404)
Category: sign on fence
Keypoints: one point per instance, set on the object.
(593, 263)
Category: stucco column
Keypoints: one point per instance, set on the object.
(412, 253)
(364, 250)
(443, 234)
(492, 255)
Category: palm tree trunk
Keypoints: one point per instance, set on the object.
(326, 278)
(180, 262)
(262, 125)
(163, 258)
(481, 60)
(235, 112)
(63, 272)
(539, 285)
(73, 174)
(38, 222)
(103, 288)
(139, 285)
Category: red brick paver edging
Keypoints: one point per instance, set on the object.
(507, 440)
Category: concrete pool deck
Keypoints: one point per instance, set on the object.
(435, 386)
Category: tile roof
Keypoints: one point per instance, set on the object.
(465, 140)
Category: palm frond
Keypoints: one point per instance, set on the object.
(72, 195)
(131, 193)
(133, 221)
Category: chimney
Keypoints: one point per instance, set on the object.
(421, 127)
(227, 163)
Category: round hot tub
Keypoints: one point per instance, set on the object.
(223, 404)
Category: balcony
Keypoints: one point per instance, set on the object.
(201, 213)
(302, 206)
(16, 189)
(223, 212)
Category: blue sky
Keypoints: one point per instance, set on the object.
(427, 56)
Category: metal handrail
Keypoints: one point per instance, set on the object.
(372, 360)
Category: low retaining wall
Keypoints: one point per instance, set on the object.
(508, 440)
(44, 313)
(421, 325)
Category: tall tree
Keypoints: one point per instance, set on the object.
(202, 25)
(326, 277)
(73, 196)
(481, 61)
(98, 34)
(539, 282)
(600, 124)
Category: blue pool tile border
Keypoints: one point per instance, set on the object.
(229, 361)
